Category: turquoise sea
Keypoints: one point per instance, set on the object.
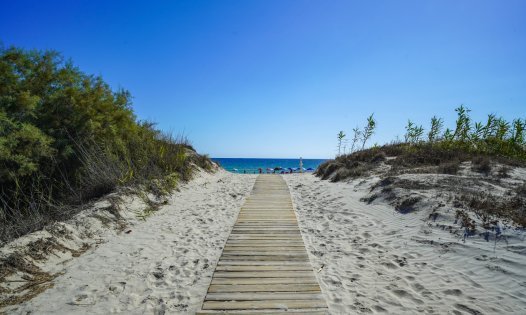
(239, 165)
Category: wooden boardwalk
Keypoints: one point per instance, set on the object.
(264, 268)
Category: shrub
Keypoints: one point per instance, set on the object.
(450, 168)
(407, 205)
(66, 137)
(481, 164)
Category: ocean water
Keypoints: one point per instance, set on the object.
(236, 165)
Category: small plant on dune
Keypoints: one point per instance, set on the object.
(408, 130)
(418, 133)
(357, 134)
(413, 133)
(341, 136)
(462, 125)
(368, 130)
(517, 133)
(436, 128)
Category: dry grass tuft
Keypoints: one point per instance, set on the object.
(481, 164)
(34, 281)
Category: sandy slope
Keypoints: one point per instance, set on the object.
(164, 265)
(372, 259)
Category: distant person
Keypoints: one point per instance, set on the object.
(244, 171)
(260, 170)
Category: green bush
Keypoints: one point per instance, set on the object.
(66, 137)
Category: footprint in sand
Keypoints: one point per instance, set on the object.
(389, 265)
(417, 286)
(455, 292)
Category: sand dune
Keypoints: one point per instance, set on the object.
(371, 258)
(368, 258)
(164, 265)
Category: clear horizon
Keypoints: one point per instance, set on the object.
(279, 79)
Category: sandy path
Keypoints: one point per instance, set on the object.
(375, 260)
(164, 265)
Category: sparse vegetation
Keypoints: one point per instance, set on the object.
(66, 137)
(368, 130)
(358, 136)
(494, 140)
(489, 150)
(341, 137)
(481, 164)
(350, 165)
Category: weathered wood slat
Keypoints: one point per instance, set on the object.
(264, 252)
(269, 304)
(263, 274)
(264, 247)
(264, 267)
(296, 280)
(262, 296)
(264, 243)
(262, 263)
(274, 258)
(303, 311)
(264, 288)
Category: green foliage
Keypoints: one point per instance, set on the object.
(436, 127)
(497, 139)
(496, 136)
(463, 124)
(368, 131)
(413, 133)
(357, 134)
(341, 136)
(66, 136)
(23, 148)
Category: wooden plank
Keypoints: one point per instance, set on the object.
(311, 311)
(265, 268)
(263, 274)
(266, 242)
(260, 238)
(269, 304)
(275, 258)
(265, 252)
(262, 296)
(264, 246)
(296, 236)
(262, 263)
(259, 224)
(272, 232)
(264, 288)
(295, 280)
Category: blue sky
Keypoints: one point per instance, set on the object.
(281, 78)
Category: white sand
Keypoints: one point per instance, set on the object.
(372, 259)
(369, 258)
(164, 265)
